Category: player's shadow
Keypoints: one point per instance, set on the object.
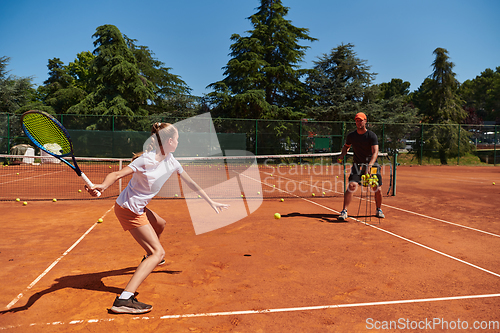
(91, 281)
(329, 218)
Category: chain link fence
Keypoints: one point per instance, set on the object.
(120, 136)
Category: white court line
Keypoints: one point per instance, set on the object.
(264, 311)
(404, 210)
(390, 233)
(32, 284)
(21, 179)
(440, 220)
(325, 307)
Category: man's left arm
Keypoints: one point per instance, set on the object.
(373, 159)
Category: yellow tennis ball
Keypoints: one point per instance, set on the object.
(282, 199)
(324, 193)
(493, 183)
(17, 173)
(54, 199)
(277, 216)
(313, 194)
(25, 203)
(99, 220)
(258, 192)
(18, 199)
(175, 195)
(79, 191)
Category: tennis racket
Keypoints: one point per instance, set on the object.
(48, 134)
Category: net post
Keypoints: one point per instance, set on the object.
(458, 150)
(120, 163)
(495, 146)
(8, 133)
(395, 163)
(256, 136)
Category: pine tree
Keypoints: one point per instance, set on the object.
(440, 104)
(116, 83)
(340, 84)
(15, 92)
(263, 78)
(171, 95)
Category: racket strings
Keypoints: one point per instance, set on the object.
(47, 133)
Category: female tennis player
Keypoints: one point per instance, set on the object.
(150, 170)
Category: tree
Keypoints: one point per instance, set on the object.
(81, 70)
(394, 113)
(116, 83)
(60, 91)
(483, 94)
(440, 105)
(394, 88)
(15, 92)
(340, 84)
(263, 78)
(171, 95)
(446, 105)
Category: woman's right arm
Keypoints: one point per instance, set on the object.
(110, 179)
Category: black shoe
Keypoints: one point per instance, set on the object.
(131, 305)
(161, 262)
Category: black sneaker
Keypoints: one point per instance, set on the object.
(161, 262)
(131, 305)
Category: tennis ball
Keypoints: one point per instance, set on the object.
(324, 193)
(25, 203)
(18, 199)
(277, 216)
(258, 192)
(54, 199)
(493, 183)
(79, 191)
(282, 199)
(175, 195)
(110, 166)
(313, 194)
(242, 195)
(99, 220)
(17, 173)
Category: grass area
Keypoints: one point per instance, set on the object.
(469, 159)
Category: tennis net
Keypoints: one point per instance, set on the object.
(271, 176)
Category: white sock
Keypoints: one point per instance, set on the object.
(126, 295)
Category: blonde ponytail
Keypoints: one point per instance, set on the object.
(167, 131)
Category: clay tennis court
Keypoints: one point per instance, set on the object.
(432, 261)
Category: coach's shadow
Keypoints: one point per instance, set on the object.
(329, 218)
(91, 281)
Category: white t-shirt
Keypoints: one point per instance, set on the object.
(147, 180)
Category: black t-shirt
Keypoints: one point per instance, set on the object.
(362, 145)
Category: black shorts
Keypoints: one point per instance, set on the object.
(360, 169)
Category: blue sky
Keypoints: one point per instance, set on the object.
(395, 37)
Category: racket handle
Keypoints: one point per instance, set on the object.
(89, 183)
